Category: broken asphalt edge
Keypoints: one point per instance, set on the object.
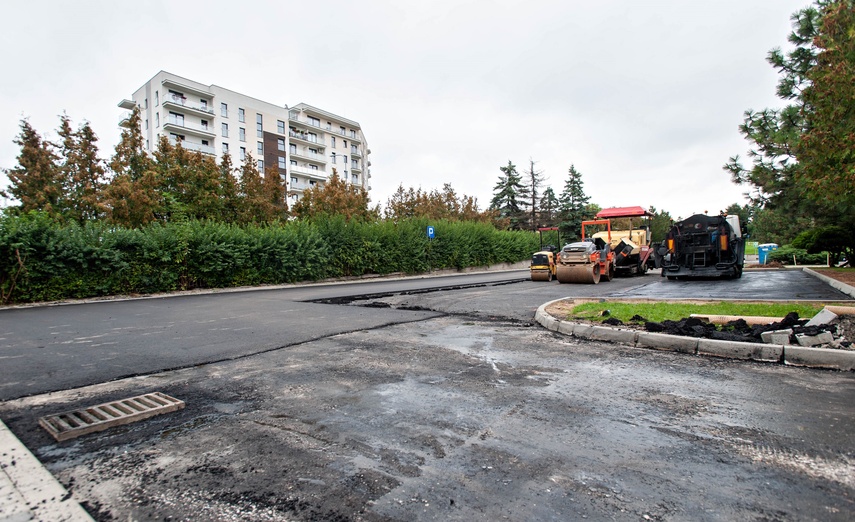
(826, 358)
(30, 492)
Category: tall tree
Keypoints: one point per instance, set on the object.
(83, 172)
(826, 149)
(573, 204)
(802, 162)
(660, 224)
(36, 182)
(509, 196)
(548, 207)
(534, 180)
(132, 198)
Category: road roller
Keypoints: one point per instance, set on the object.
(587, 261)
(543, 265)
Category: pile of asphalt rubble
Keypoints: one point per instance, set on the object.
(739, 330)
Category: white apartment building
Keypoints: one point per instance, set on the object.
(303, 142)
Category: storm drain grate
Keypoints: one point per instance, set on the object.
(98, 418)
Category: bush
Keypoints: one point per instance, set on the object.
(41, 259)
(784, 255)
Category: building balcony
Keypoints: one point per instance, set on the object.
(306, 155)
(125, 119)
(174, 124)
(306, 123)
(354, 152)
(172, 101)
(305, 138)
(354, 168)
(189, 145)
(308, 172)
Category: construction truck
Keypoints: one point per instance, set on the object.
(703, 246)
(631, 246)
(543, 262)
(590, 260)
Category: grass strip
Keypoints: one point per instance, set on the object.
(658, 312)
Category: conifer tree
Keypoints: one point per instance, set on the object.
(573, 204)
(83, 172)
(335, 197)
(548, 207)
(36, 182)
(509, 196)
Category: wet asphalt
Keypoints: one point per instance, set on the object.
(447, 405)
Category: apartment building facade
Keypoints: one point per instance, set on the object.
(304, 143)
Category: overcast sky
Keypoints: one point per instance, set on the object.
(643, 97)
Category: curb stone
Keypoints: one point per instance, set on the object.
(789, 355)
(29, 491)
(833, 283)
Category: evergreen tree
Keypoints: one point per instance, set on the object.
(549, 205)
(573, 205)
(230, 200)
(801, 157)
(509, 196)
(37, 181)
(132, 198)
(82, 171)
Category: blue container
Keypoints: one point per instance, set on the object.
(763, 251)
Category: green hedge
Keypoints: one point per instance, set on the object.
(72, 261)
(784, 255)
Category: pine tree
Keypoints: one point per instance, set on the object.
(82, 171)
(572, 204)
(548, 207)
(36, 182)
(507, 196)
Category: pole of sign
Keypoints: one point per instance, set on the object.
(430, 234)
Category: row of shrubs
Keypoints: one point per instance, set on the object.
(42, 260)
(784, 255)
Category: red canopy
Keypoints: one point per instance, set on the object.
(622, 212)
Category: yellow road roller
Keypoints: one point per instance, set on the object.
(543, 266)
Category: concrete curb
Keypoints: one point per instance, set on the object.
(28, 491)
(826, 358)
(833, 283)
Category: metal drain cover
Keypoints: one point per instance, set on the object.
(98, 418)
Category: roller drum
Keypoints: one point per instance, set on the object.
(585, 274)
(541, 275)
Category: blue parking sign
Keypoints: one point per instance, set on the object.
(430, 232)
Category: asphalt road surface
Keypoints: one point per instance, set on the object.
(445, 405)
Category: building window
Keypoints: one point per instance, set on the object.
(354, 150)
(314, 167)
(146, 124)
(312, 182)
(203, 104)
(342, 132)
(242, 134)
(355, 179)
(225, 148)
(281, 162)
(314, 122)
(260, 165)
(332, 158)
(156, 99)
(205, 142)
(332, 141)
(313, 152)
(145, 103)
(293, 163)
(146, 145)
(280, 126)
(292, 148)
(204, 124)
(344, 160)
(294, 180)
(344, 144)
(280, 144)
(313, 137)
(157, 119)
(241, 115)
(354, 164)
(225, 130)
(260, 148)
(177, 119)
(353, 134)
(242, 153)
(259, 132)
(224, 110)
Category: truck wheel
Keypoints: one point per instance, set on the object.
(609, 273)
